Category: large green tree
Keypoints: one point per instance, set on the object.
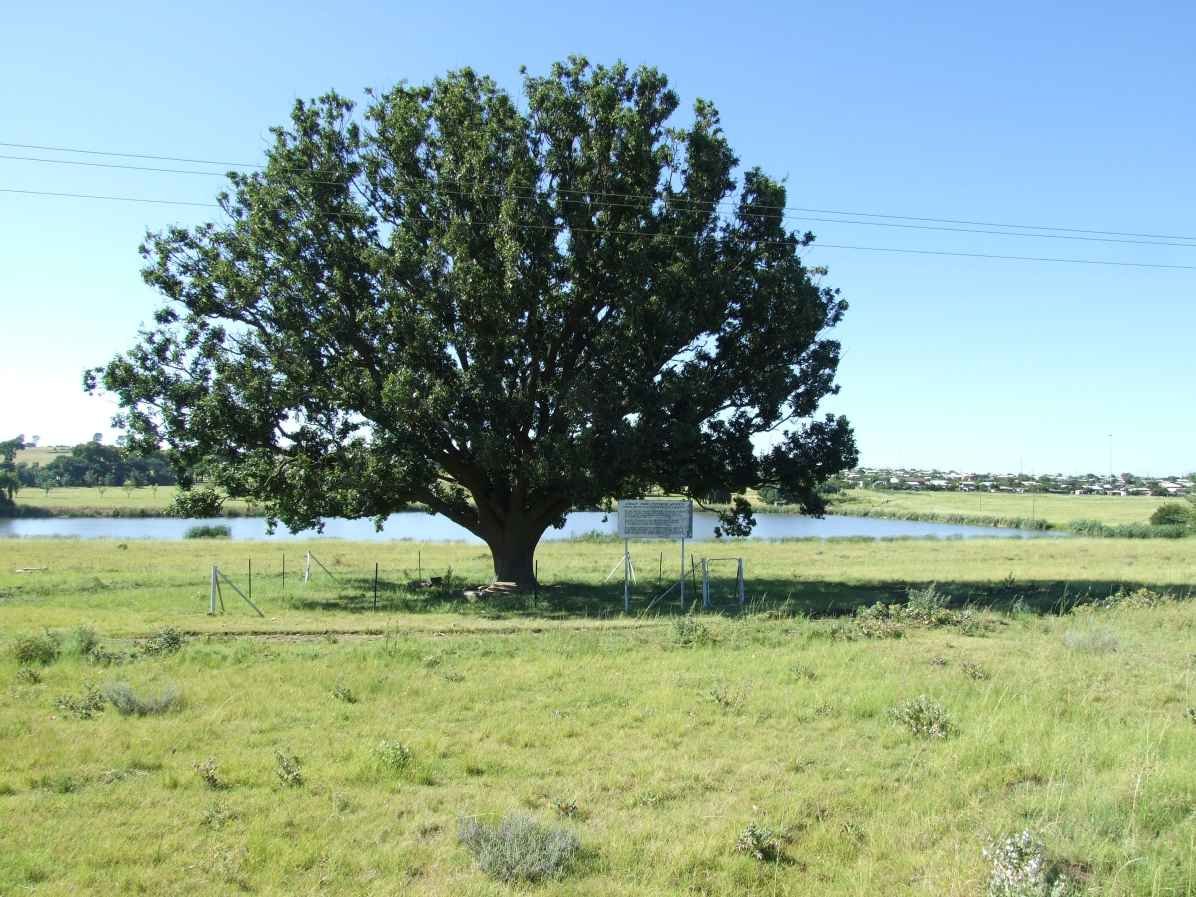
(501, 309)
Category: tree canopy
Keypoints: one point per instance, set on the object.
(498, 308)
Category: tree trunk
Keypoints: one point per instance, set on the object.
(514, 552)
(515, 564)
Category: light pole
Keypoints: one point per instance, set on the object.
(1110, 457)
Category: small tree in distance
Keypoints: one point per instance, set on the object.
(498, 312)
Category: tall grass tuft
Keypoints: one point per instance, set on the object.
(128, 703)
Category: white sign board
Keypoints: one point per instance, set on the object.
(663, 519)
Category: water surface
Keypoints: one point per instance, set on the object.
(422, 527)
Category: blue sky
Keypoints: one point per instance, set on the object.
(1069, 115)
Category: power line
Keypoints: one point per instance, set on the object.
(499, 192)
(642, 235)
(642, 196)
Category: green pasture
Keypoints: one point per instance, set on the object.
(656, 740)
(1057, 510)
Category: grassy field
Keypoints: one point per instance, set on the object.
(128, 588)
(1058, 510)
(89, 501)
(656, 744)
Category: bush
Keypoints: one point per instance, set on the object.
(204, 531)
(519, 849)
(84, 641)
(201, 502)
(1172, 514)
(87, 705)
(923, 717)
(1020, 869)
(36, 649)
(688, 632)
(164, 641)
(128, 703)
(28, 676)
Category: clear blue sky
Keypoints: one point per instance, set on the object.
(1071, 115)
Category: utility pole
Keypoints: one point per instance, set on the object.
(1110, 457)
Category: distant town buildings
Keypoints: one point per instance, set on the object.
(913, 479)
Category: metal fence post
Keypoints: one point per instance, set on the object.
(705, 584)
(212, 597)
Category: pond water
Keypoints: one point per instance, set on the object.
(421, 527)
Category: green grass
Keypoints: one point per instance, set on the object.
(657, 756)
(89, 501)
(133, 586)
(1057, 510)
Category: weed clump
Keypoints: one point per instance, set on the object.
(729, 697)
(128, 703)
(519, 849)
(974, 670)
(343, 693)
(759, 842)
(88, 704)
(688, 633)
(163, 642)
(288, 769)
(393, 755)
(1020, 868)
(209, 773)
(218, 815)
(28, 676)
(42, 649)
(923, 717)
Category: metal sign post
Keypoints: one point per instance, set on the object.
(654, 519)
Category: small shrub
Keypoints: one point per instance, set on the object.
(809, 674)
(218, 815)
(688, 632)
(209, 773)
(880, 621)
(1190, 713)
(759, 842)
(88, 704)
(393, 755)
(974, 670)
(208, 531)
(923, 717)
(926, 604)
(128, 703)
(519, 849)
(84, 641)
(1092, 641)
(1172, 514)
(28, 676)
(42, 649)
(344, 693)
(1020, 868)
(163, 642)
(288, 769)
